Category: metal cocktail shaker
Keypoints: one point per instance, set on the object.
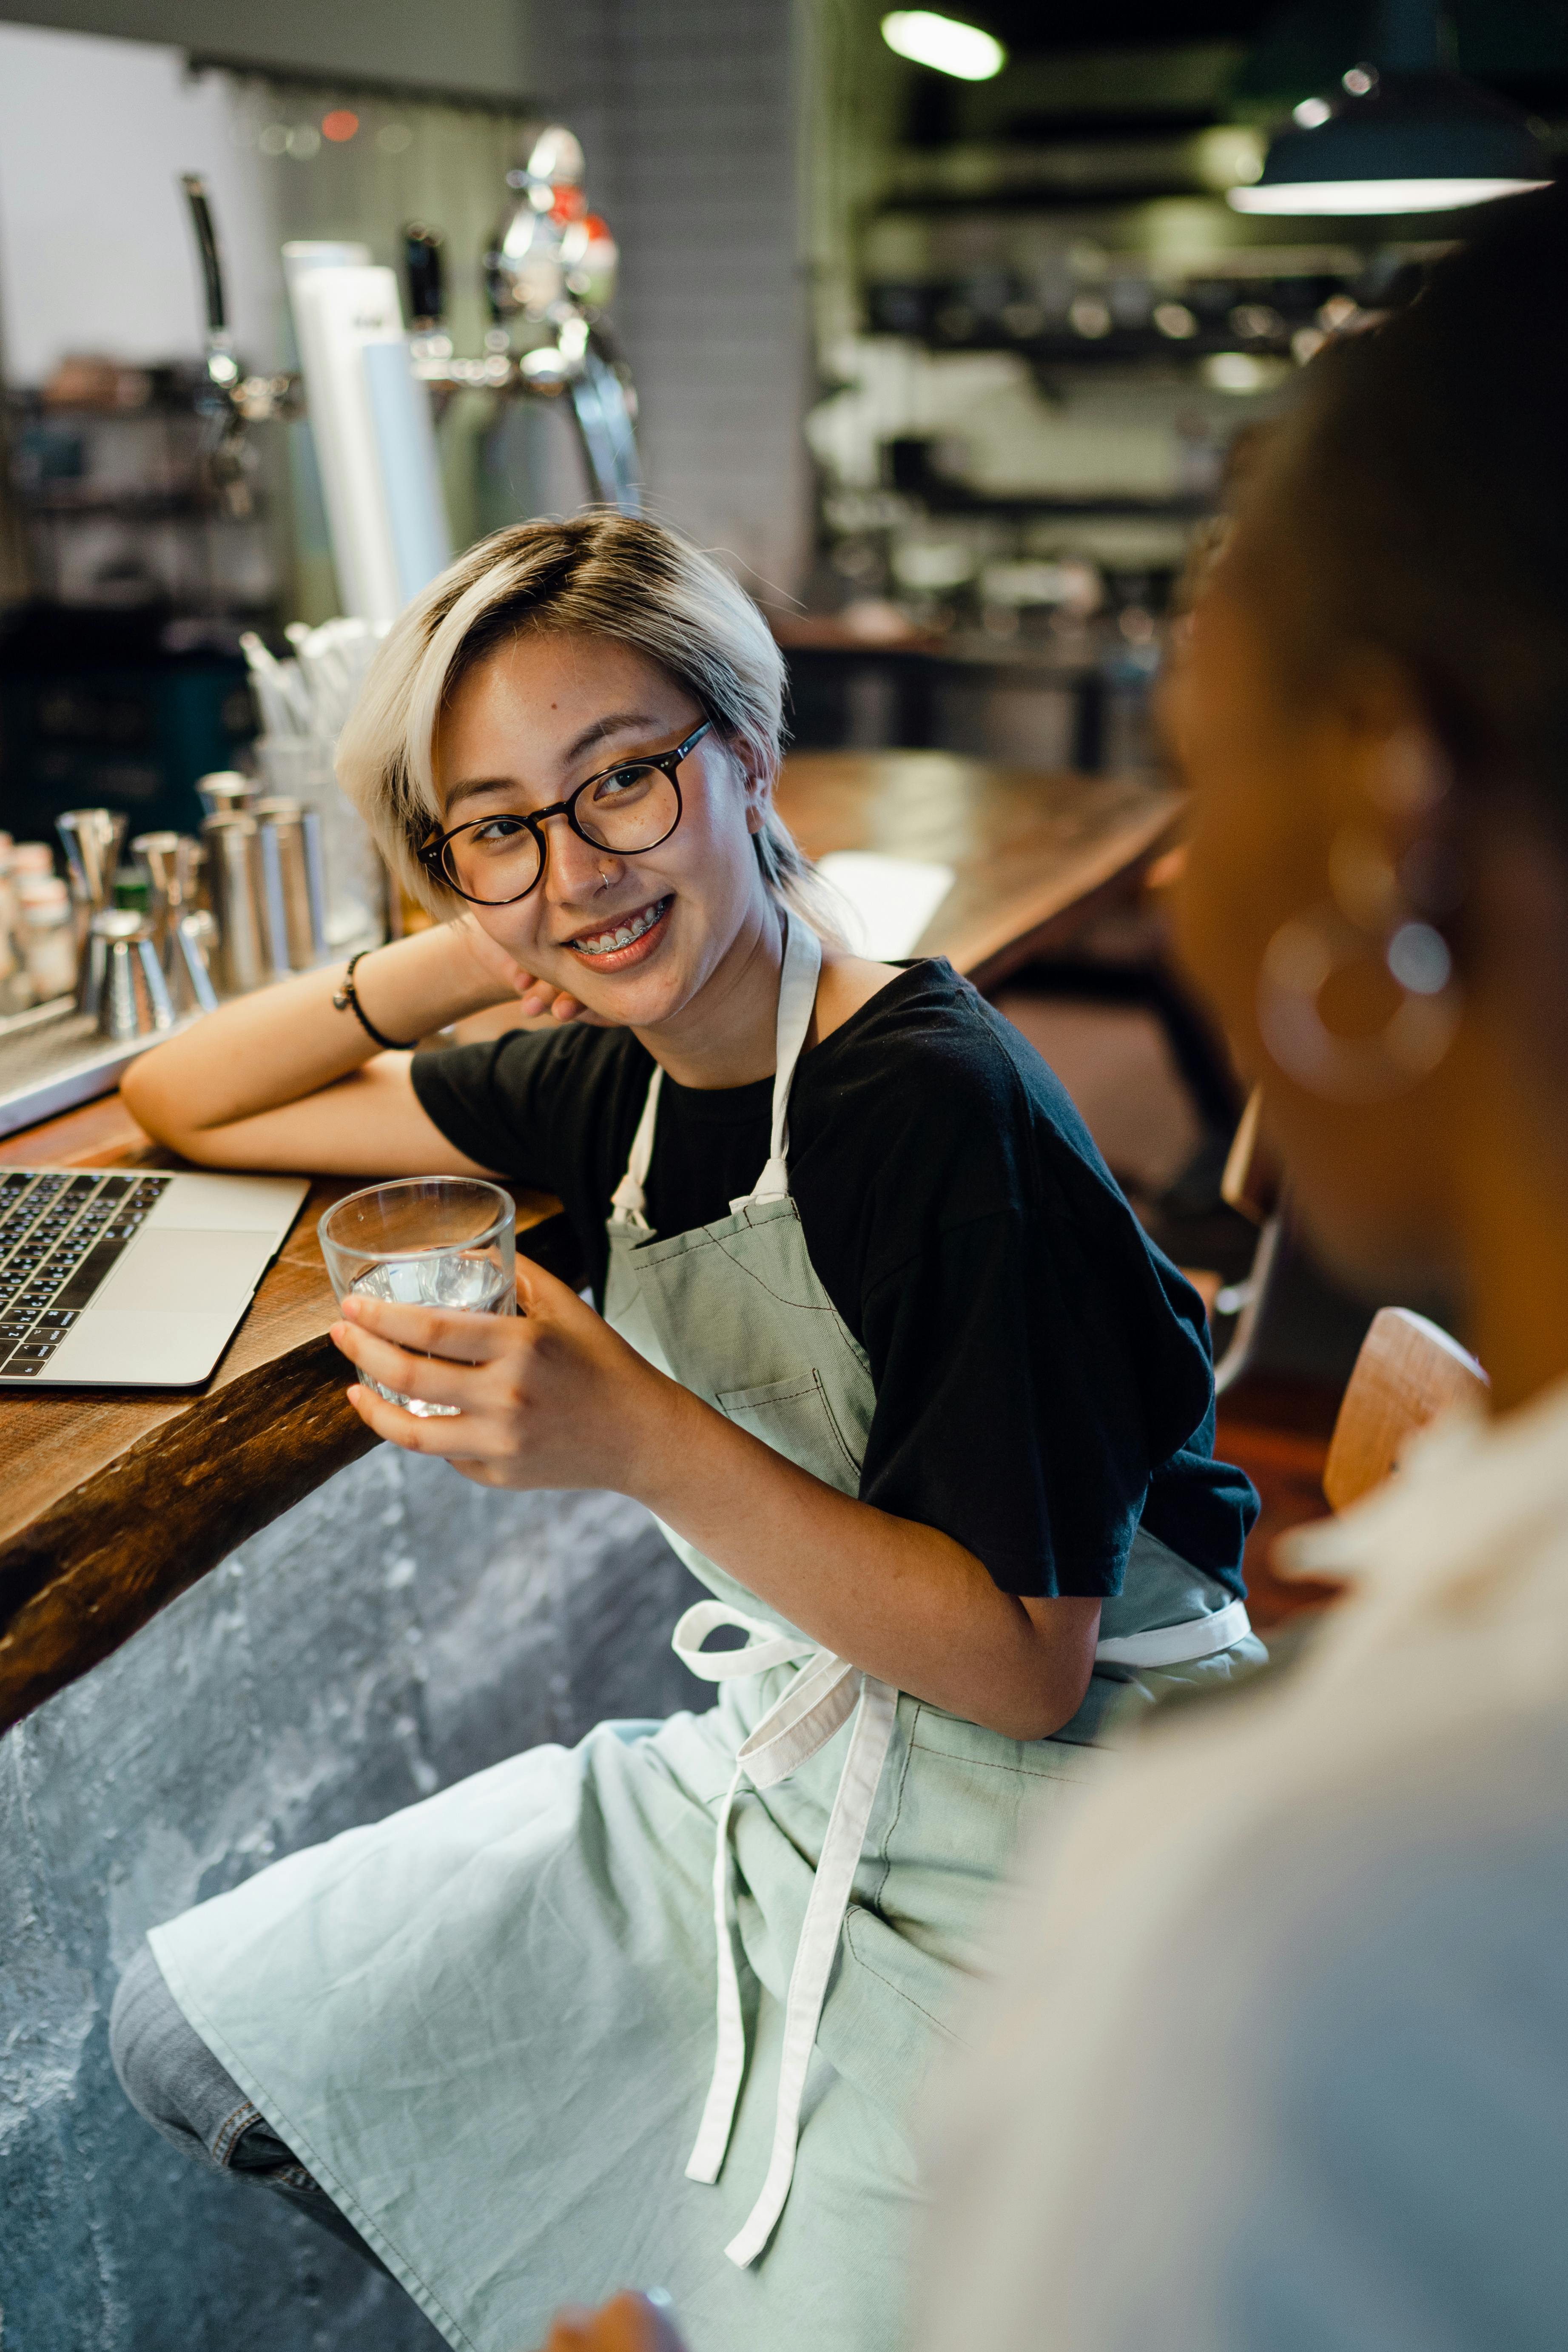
(226, 793)
(92, 839)
(295, 885)
(123, 983)
(240, 901)
(187, 937)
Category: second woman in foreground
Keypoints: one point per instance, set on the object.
(885, 1351)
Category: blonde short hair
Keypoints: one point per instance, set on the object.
(613, 576)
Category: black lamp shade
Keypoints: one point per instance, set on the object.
(1408, 142)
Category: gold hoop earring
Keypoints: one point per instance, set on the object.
(1299, 962)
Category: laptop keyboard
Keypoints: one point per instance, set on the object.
(61, 1236)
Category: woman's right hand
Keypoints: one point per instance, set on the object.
(536, 997)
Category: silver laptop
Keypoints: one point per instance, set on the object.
(131, 1278)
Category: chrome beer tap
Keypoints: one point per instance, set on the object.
(230, 401)
(550, 275)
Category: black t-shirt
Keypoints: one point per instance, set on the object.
(1042, 1372)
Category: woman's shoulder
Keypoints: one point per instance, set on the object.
(930, 1059)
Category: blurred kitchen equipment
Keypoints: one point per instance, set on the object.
(15, 993)
(124, 982)
(226, 793)
(170, 861)
(47, 937)
(294, 885)
(92, 838)
(232, 401)
(372, 424)
(240, 901)
(187, 937)
(331, 659)
(549, 274)
(190, 957)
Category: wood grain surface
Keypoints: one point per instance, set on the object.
(111, 1503)
(1034, 852)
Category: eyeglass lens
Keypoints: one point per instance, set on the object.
(498, 859)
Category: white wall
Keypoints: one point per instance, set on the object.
(96, 251)
(435, 45)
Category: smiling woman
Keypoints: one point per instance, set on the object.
(874, 1337)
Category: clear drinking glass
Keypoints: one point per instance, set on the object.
(425, 1241)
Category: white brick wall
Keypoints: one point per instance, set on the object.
(687, 110)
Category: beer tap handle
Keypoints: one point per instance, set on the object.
(422, 262)
(196, 189)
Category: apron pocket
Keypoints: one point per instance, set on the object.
(796, 1419)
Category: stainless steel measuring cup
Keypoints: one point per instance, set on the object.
(294, 882)
(238, 895)
(125, 985)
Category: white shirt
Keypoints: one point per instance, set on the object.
(1278, 2059)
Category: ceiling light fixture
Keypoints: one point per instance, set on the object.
(942, 43)
(1401, 134)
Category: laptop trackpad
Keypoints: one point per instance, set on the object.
(205, 1273)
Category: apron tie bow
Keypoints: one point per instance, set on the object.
(816, 1703)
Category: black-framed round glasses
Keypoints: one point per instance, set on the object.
(633, 806)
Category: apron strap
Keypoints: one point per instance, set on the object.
(765, 1645)
(797, 1001)
(628, 1200)
(816, 1703)
(797, 998)
(815, 1952)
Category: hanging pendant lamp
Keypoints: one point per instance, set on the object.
(1400, 135)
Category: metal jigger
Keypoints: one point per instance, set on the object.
(187, 938)
(170, 861)
(124, 983)
(190, 957)
(92, 839)
(226, 793)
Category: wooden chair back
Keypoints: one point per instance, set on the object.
(1408, 1371)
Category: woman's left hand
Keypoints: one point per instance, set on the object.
(632, 2323)
(549, 1397)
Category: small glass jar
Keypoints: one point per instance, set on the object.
(47, 936)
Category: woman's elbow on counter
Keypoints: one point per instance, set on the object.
(146, 1097)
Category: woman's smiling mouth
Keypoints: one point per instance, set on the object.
(625, 942)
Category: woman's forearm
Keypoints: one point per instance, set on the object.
(902, 1601)
(290, 1041)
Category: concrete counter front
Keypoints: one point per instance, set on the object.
(325, 1630)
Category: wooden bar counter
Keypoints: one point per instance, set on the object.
(112, 1503)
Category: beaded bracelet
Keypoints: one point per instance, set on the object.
(346, 999)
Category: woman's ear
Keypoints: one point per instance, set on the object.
(759, 794)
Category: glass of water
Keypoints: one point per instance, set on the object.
(425, 1241)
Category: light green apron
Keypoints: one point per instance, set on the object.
(486, 2024)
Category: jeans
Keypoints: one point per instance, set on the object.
(173, 2080)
